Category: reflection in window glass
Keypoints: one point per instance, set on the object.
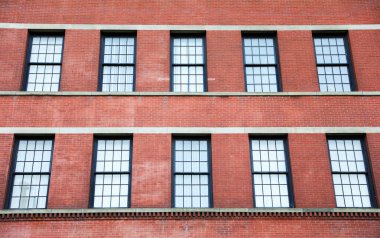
(45, 61)
(260, 61)
(31, 174)
(332, 64)
(191, 173)
(188, 66)
(118, 69)
(112, 173)
(350, 176)
(270, 173)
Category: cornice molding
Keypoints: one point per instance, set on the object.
(174, 213)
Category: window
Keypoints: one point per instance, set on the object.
(188, 63)
(350, 172)
(261, 63)
(31, 173)
(333, 63)
(117, 70)
(111, 173)
(192, 173)
(43, 69)
(270, 172)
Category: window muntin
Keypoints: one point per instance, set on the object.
(44, 63)
(118, 63)
(349, 171)
(270, 173)
(192, 176)
(112, 168)
(31, 174)
(333, 64)
(188, 64)
(261, 63)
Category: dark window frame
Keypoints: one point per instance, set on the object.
(12, 170)
(93, 167)
(288, 172)
(31, 34)
(350, 68)
(248, 35)
(209, 164)
(367, 173)
(104, 35)
(174, 35)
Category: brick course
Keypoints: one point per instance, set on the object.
(196, 228)
(189, 111)
(228, 12)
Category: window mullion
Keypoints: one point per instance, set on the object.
(351, 185)
(333, 63)
(111, 170)
(38, 191)
(261, 63)
(191, 173)
(118, 66)
(187, 56)
(44, 61)
(271, 188)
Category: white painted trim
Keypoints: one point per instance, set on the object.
(186, 130)
(190, 27)
(207, 94)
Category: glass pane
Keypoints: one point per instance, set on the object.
(328, 51)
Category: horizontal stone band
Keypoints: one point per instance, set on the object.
(190, 27)
(187, 130)
(204, 94)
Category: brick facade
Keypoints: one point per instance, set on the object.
(151, 174)
(264, 227)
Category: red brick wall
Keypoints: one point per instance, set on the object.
(153, 61)
(373, 144)
(189, 111)
(297, 61)
(311, 171)
(12, 54)
(225, 69)
(365, 52)
(6, 147)
(80, 64)
(151, 170)
(70, 172)
(231, 170)
(213, 228)
(228, 12)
